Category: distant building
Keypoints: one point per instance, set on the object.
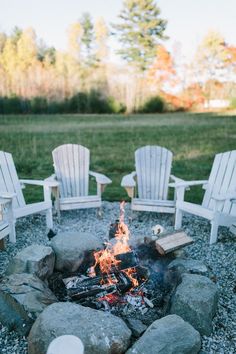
(217, 103)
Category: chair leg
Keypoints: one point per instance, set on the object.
(12, 231)
(214, 230)
(11, 222)
(178, 219)
(99, 213)
(49, 219)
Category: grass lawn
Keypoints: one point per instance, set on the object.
(194, 139)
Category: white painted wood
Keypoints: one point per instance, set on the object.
(153, 166)
(9, 181)
(220, 192)
(66, 344)
(4, 225)
(71, 165)
(10, 187)
(233, 228)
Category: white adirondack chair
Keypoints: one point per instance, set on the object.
(11, 191)
(71, 165)
(220, 189)
(4, 217)
(152, 172)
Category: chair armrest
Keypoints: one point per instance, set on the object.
(7, 195)
(51, 178)
(46, 183)
(176, 181)
(222, 197)
(100, 178)
(128, 181)
(187, 183)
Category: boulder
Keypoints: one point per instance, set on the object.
(137, 327)
(13, 315)
(188, 266)
(29, 291)
(100, 332)
(195, 301)
(170, 334)
(35, 259)
(71, 248)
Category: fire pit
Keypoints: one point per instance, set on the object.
(119, 279)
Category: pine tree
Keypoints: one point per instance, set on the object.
(87, 38)
(139, 31)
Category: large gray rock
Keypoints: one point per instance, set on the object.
(195, 301)
(29, 291)
(188, 266)
(100, 332)
(71, 249)
(13, 315)
(169, 335)
(35, 259)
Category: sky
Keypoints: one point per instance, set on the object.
(188, 20)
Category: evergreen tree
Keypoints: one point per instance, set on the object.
(88, 37)
(139, 31)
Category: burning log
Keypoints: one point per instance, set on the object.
(127, 260)
(82, 287)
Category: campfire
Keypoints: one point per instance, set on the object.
(116, 277)
(129, 282)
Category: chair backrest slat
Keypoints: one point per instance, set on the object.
(9, 181)
(153, 166)
(71, 164)
(222, 180)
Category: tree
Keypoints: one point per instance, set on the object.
(3, 39)
(211, 57)
(75, 34)
(87, 39)
(139, 31)
(162, 71)
(101, 37)
(27, 49)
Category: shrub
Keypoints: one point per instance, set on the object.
(82, 102)
(153, 105)
(115, 106)
(39, 105)
(77, 103)
(10, 105)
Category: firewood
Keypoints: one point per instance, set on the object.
(173, 241)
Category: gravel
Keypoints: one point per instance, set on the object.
(220, 258)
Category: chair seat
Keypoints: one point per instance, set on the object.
(161, 206)
(90, 201)
(195, 209)
(32, 209)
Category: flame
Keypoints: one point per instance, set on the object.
(106, 260)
